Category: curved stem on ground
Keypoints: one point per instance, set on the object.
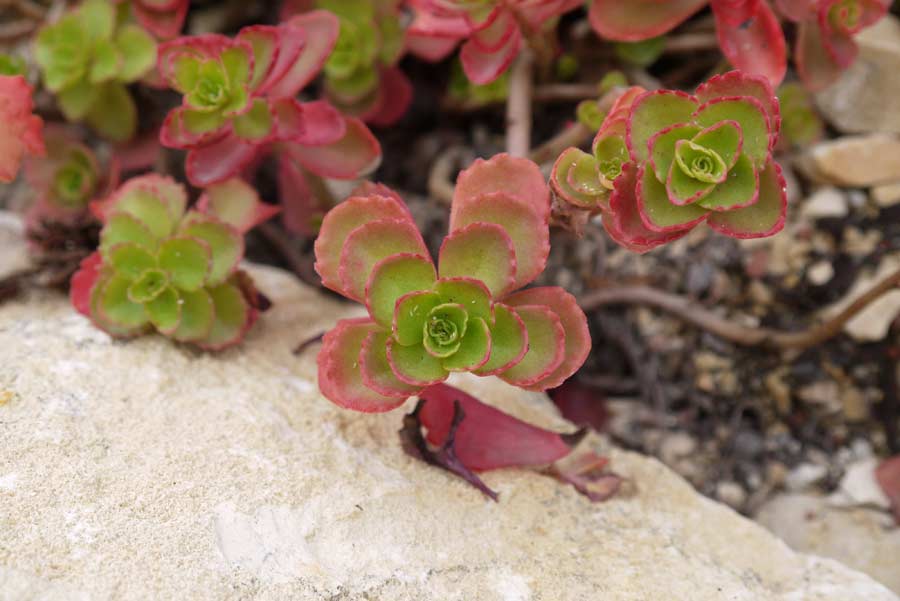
(687, 310)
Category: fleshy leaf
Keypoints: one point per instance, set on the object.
(483, 251)
(113, 113)
(116, 307)
(725, 138)
(662, 146)
(236, 203)
(219, 160)
(468, 292)
(370, 243)
(197, 315)
(656, 208)
(188, 262)
(122, 227)
(487, 438)
(232, 317)
(653, 112)
(354, 155)
(444, 328)
(20, 130)
(474, 349)
(394, 277)
(410, 313)
(376, 371)
(634, 20)
(763, 218)
(737, 83)
(750, 114)
(576, 179)
(226, 245)
(546, 346)
(340, 378)
(414, 365)
(483, 67)
(738, 190)
(509, 341)
(888, 477)
(164, 311)
(754, 44)
(138, 52)
(130, 260)
(574, 322)
(83, 282)
(319, 30)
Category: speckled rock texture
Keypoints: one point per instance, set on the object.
(142, 470)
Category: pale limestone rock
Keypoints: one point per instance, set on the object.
(864, 98)
(142, 470)
(886, 196)
(862, 538)
(827, 201)
(854, 161)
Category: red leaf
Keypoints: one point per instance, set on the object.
(754, 44)
(581, 404)
(83, 283)
(888, 476)
(488, 438)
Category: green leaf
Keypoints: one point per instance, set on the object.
(469, 293)
(546, 341)
(113, 113)
(643, 53)
(202, 122)
(12, 65)
(236, 62)
(414, 365)
(662, 147)
(410, 315)
(395, 277)
(225, 244)
(121, 227)
(138, 51)
(700, 163)
(749, 114)
(656, 208)
(724, 139)
(763, 218)
(187, 261)
(62, 52)
(130, 260)
(355, 86)
(144, 206)
(654, 112)
(480, 251)
(165, 311)
(737, 190)
(76, 101)
(444, 328)
(256, 123)
(197, 315)
(115, 305)
(682, 188)
(106, 62)
(474, 347)
(97, 18)
(150, 284)
(186, 69)
(376, 369)
(231, 315)
(508, 340)
(611, 153)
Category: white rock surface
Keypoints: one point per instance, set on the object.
(142, 470)
(854, 161)
(863, 538)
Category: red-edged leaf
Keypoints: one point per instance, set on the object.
(546, 347)
(635, 20)
(765, 217)
(83, 281)
(815, 65)
(581, 404)
(236, 203)
(487, 438)
(218, 161)
(395, 93)
(308, 123)
(376, 371)
(340, 378)
(354, 155)
(164, 23)
(737, 83)
(574, 323)
(483, 251)
(888, 477)
(756, 44)
(483, 67)
(319, 30)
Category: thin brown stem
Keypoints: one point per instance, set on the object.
(518, 105)
(688, 311)
(440, 177)
(691, 42)
(281, 242)
(566, 92)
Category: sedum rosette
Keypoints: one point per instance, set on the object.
(87, 58)
(676, 160)
(463, 315)
(162, 267)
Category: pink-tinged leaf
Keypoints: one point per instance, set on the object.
(546, 347)
(308, 123)
(496, 33)
(376, 371)
(483, 251)
(797, 10)
(487, 438)
(888, 476)
(340, 222)
(340, 378)
(755, 45)
(205, 47)
(218, 161)
(576, 179)
(652, 112)
(175, 134)
(581, 404)
(160, 190)
(509, 341)
(657, 209)
(140, 155)
(368, 244)
(587, 473)
(635, 20)
(20, 130)
(83, 281)
(266, 41)
(516, 177)
(737, 83)
(302, 208)
(395, 93)
(391, 279)
(236, 203)
(838, 22)
(814, 63)
(623, 221)
(765, 217)
(574, 323)
(164, 23)
(354, 155)
(319, 29)
(482, 67)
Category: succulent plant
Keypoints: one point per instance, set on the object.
(492, 30)
(465, 315)
(825, 44)
(20, 130)
(462, 90)
(361, 75)
(749, 33)
(239, 102)
(676, 160)
(162, 267)
(87, 58)
(163, 18)
(11, 64)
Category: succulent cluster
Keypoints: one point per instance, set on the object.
(825, 33)
(239, 101)
(673, 161)
(87, 57)
(163, 267)
(20, 130)
(492, 30)
(465, 315)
